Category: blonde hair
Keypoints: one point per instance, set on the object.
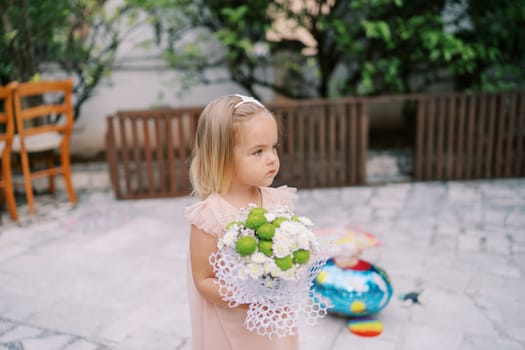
(211, 168)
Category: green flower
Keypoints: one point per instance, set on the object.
(266, 247)
(277, 222)
(256, 220)
(301, 256)
(265, 232)
(257, 211)
(246, 245)
(285, 263)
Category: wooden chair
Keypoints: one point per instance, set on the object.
(44, 127)
(7, 121)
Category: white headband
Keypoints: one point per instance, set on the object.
(247, 99)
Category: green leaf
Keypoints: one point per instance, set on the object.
(235, 14)
(377, 30)
(9, 36)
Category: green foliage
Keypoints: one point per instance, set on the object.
(496, 31)
(28, 34)
(375, 46)
(76, 37)
(199, 35)
(377, 30)
(360, 47)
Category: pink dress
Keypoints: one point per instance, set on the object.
(214, 326)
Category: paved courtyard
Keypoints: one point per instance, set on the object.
(110, 274)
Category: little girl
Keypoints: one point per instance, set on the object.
(234, 161)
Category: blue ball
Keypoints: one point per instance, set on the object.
(360, 290)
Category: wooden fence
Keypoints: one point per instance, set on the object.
(469, 136)
(148, 152)
(324, 143)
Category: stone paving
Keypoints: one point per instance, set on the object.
(110, 274)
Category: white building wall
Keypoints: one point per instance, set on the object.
(129, 90)
(139, 80)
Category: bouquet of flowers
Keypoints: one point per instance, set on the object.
(268, 259)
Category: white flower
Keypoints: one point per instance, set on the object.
(282, 244)
(282, 212)
(291, 227)
(306, 221)
(290, 274)
(286, 226)
(303, 241)
(243, 274)
(248, 232)
(259, 258)
(271, 268)
(254, 270)
(294, 246)
(270, 216)
(269, 283)
(305, 231)
(229, 238)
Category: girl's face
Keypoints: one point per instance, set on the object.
(255, 159)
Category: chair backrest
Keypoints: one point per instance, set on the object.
(7, 122)
(35, 112)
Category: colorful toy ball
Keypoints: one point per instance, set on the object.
(358, 290)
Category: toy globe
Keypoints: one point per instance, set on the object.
(359, 289)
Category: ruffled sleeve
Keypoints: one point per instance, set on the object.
(202, 215)
(281, 196)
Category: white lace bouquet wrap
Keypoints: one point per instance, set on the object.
(268, 259)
